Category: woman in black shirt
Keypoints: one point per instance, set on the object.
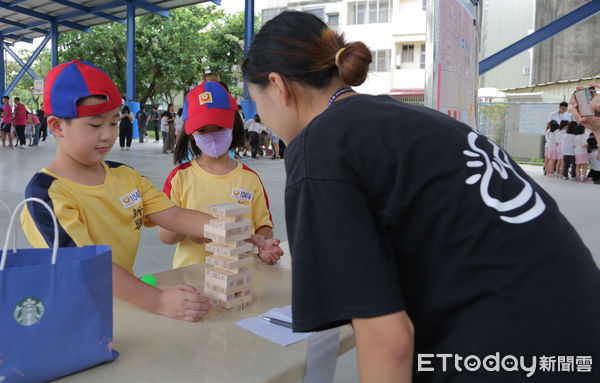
(448, 259)
(125, 128)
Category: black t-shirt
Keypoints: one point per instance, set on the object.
(394, 207)
(126, 122)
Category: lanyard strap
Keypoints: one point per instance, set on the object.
(338, 94)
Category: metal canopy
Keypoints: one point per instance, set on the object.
(23, 20)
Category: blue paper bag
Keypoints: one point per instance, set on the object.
(55, 310)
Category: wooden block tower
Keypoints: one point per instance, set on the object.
(227, 281)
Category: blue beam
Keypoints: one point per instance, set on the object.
(2, 71)
(27, 26)
(15, 2)
(17, 38)
(83, 10)
(150, 7)
(30, 62)
(542, 34)
(109, 5)
(248, 35)
(130, 52)
(21, 26)
(218, 2)
(19, 61)
(42, 16)
(54, 44)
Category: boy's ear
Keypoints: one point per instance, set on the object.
(55, 126)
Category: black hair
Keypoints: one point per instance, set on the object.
(553, 126)
(126, 109)
(592, 143)
(223, 85)
(564, 103)
(563, 123)
(17, 98)
(180, 112)
(155, 107)
(572, 129)
(5, 97)
(257, 118)
(186, 145)
(300, 47)
(580, 129)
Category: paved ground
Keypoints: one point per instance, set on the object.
(579, 202)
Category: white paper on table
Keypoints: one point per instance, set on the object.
(275, 333)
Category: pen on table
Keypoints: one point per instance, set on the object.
(278, 322)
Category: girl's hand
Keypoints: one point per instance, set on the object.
(268, 249)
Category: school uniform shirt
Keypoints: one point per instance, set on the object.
(21, 115)
(7, 114)
(192, 187)
(109, 214)
(432, 218)
(163, 124)
(552, 141)
(558, 117)
(567, 145)
(558, 136)
(580, 143)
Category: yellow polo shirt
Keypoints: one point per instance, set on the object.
(109, 214)
(192, 187)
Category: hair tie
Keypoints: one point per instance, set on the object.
(337, 57)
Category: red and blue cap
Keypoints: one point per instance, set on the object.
(69, 82)
(208, 104)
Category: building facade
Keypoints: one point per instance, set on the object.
(394, 31)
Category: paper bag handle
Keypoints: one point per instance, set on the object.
(12, 221)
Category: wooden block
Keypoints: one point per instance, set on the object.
(229, 251)
(228, 209)
(228, 263)
(229, 279)
(238, 228)
(228, 225)
(217, 236)
(221, 298)
(216, 289)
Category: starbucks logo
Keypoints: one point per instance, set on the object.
(29, 311)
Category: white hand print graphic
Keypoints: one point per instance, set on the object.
(504, 168)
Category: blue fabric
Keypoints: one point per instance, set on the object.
(64, 99)
(220, 97)
(74, 330)
(38, 187)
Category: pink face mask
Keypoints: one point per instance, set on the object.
(214, 144)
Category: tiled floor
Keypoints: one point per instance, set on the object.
(579, 202)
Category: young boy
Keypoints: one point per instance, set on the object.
(103, 202)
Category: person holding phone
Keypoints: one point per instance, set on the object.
(590, 122)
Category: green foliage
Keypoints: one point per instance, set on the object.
(172, 53)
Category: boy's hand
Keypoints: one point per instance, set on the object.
(183, 302)
(199, 240)
(268, 249)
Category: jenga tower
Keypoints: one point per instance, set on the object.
(227, 281)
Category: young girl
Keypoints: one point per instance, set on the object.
(581, 155)
(178, 122)
(29, 130)
(559, 134)
(212, 127)
(551, 142)
(164, 126)
(568, 150)
(594, 157)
